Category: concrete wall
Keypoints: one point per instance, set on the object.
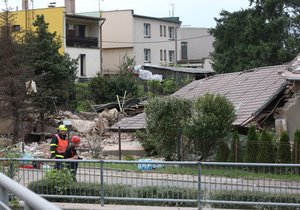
(155, 43)
(198, 40)
(113, 59)
(92, 56)
(53, 16)
(123, 32)
(293, 112)
(117, 31)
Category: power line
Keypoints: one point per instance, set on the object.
(163, 41)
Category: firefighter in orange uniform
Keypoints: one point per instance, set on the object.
(58, 145)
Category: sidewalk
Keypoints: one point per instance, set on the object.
(80, 206)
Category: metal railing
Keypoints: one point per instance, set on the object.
(190, 184)
(32, 200)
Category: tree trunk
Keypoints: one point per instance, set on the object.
(42, 117)
(16, 127)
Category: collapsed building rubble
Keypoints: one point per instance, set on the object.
(96, 141)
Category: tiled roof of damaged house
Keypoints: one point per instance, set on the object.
(249, 91)
(137, 122)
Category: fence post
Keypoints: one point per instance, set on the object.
(296, 152)
(4, 197)
(199, 186)
(11, 169)
(120, 149)
(101, 183)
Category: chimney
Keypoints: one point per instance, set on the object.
(24, 4)
(70, 6)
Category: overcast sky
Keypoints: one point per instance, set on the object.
(194, 13)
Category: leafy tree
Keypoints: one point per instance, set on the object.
(235, 149)
(284, 150)
(56, 71)
(209, 123)
(222, 152)
(165, 118)
(14, 73)
(105, 89)
(266, 150)
(127, 64)
(263, 35)
(252, 145)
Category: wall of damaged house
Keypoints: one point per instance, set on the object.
(289, 116)
(293, 111)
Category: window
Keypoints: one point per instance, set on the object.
(82, 65)
(147, 55)
(161, 55)
(171, 32)
(16, 28)
(165, 31)
(171, 56)
(147, 30)
(75, 30)
(165, 55)
(184, 50)
(161, 30)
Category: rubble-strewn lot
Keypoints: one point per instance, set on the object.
(96, 141)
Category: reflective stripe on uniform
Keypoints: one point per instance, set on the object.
(53, 145)
(52, 152)
(59, 156)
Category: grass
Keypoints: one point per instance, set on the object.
(230, 172)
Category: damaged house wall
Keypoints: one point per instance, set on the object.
(290, 116)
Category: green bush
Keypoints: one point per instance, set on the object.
(60, 180)
(250, 196)
(165, 119)
(252, 145)
(222, 152)
(116, 190)
(296, 150)
(266, 152)
(210, 122)
(235, 149)
(105, 89)
(284, 150)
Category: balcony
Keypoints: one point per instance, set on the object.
(82, 42)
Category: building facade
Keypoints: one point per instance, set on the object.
(79, 35)
(195, 47)
(147, 39)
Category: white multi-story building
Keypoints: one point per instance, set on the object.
(149, 40)
(196, 44)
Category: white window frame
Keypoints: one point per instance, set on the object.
(171, 56)
(147, 55)
(161, 30)
(165, 31)
(171, 30)
(161, 55)
(165, 55)
(147, 30)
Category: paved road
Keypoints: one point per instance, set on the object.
(208, 183)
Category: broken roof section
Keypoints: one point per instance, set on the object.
(137, 122)
(293, 70)
(249, 91)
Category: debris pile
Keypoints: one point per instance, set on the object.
(92, 128)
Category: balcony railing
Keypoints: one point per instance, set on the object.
(82, 42)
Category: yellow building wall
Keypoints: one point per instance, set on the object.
(54, 16)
